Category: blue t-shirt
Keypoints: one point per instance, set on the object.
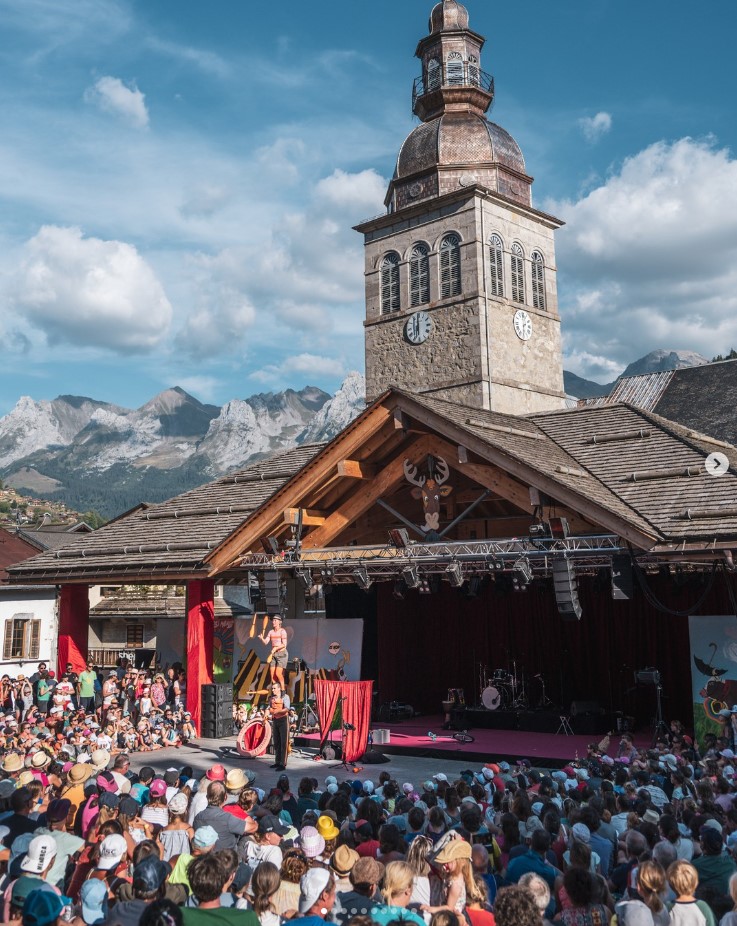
(384, 914)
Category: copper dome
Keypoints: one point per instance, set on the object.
(458, 138)
(447, 16)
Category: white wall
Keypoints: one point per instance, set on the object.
(41, 603)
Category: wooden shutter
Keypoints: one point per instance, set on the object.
(538, 281)
(496, 266)
(454, 69)
(390, 301)
(419, 276)
(518, 274)
(8, 639)
(34, 639)
(450, 266)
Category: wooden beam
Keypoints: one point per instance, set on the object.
(364, 497)
(401, 421)
(264, 521)
(356, 469)
(310, 517)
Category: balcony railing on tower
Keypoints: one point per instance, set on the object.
(452, 74)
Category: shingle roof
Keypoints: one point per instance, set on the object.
(173, 537)
(159, 606)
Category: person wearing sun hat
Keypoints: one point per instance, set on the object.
(327, 828)
(12, 765)
(341, 865)
(364, 879)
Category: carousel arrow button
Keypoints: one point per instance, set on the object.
(716, 464)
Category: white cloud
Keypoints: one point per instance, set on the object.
(205, 200)
(311, 365)
(206, 61)
(358, 193)
(89, 292)
(203, 388)
(595, 127)
(649, 258)
(111, 95)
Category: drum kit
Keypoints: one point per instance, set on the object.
(502, 690)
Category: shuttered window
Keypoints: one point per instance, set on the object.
(22, 637)
(474, 74)
(538, 280)
(496, 266)
(134, 635)
(450, 266)
(454, 69)
(419, 275)
(518, 274)
(433, 74)
(390, 284)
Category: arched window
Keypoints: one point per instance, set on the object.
(538, 280)
(518, 274)
(450, 266)
(390, 284)
(496, 266)
(454, 68)
(434, 72)
(474, 74)
(419, 275)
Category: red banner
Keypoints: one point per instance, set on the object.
(356, 701)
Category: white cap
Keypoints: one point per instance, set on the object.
(311, 885)
(112, 851)
(441, 776)
(408, 787)
(40, 854)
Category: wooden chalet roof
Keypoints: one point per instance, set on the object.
(159, 606)
(170, 539)
(611, 469)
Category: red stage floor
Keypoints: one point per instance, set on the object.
(410, 737)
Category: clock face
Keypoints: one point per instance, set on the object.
(418, 327)
(522, 325)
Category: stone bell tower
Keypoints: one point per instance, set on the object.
(461, 296)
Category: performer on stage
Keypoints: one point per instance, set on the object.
(277, 639)
(278, 714)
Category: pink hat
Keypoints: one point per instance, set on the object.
(157, 787)
(216, 773)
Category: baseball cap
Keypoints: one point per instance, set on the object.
(58, 810)
(150, 873)
(157, 787)
(110, 800)
(40, 852)
(271, 824)
(441, 776)
(129, 806)
(94, 901)
(23, 887)
(112, 851)
(178, 803)
(204, 837)
(311, 885)
(42, 908)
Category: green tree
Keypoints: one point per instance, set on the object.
(92, 518)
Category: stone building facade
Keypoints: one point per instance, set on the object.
(461, 295)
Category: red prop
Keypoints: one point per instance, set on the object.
(356, 711)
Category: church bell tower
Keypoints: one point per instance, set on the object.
(461, 297)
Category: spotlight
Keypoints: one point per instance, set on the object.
(521, 574)
(495, 563)
(411, 576)
(399, 537)
(455, 575)
(270, 545)
(425, 588)
(559, 528)
(540, 529)
(304, 575)
(360, 574)
(326, 572)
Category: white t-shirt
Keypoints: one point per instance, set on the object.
(199, 802)
(257, 853)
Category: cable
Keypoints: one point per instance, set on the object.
(653, 600)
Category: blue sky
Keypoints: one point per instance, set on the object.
(178, 182)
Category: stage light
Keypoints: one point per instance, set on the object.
(411, 576)
(304, 575)
(399, 589)
(455, 575)
(425, 587)
(360, 574)
(521, 574)
(399, 537)
(495, 564)
(326, 572)
(474, 587)
(559, 528)
(540, 529)
(270, 545)
(565, 585)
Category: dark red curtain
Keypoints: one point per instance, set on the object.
(429, 643)
(74, 626)
(356, 712)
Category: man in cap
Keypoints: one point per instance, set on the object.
(68, 846)
(265, 847)
(316, 897)
(21, 805)
(39, 858)
(203, 843)
(149, 881)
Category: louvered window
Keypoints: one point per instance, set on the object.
(474, 74)
(134, 636)
(450, 266)
(538, 280)
(433, 74)
(22, 637)
(518, 274)
(419, 275)
(496, 266)
(390, 284)
(454, 69)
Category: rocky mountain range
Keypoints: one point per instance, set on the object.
(96, 455)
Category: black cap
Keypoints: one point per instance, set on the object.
(272, 824)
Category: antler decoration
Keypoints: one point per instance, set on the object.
(429, 489)
(410, 473)
(442, 471)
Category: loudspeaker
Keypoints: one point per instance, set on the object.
(217, 711)
(565, 585)
(622, 581)
(585, 707)
(272, 591)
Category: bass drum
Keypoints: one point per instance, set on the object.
(491, 698)
(254, 738)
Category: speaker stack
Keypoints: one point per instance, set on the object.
(217, 711)
(272, 591)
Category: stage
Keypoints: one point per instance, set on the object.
(410, 738)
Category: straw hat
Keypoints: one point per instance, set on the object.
(12, 763)
(40, 759)
(343, 860)
(100, 759)
(236, 780)
(25, 778)
(79, 773)
(452, 850)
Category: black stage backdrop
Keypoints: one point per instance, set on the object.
(426, 644)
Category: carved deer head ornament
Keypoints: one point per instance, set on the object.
(430, 489)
